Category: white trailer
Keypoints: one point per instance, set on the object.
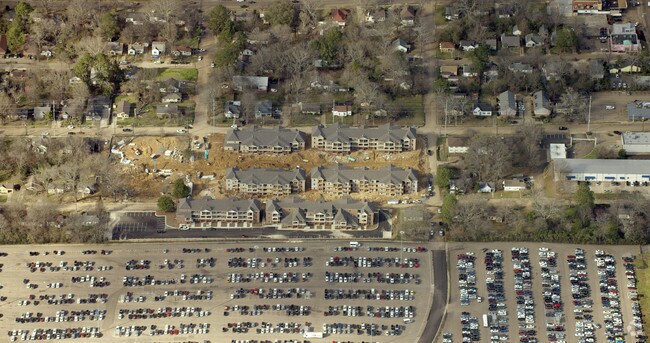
(313, 335)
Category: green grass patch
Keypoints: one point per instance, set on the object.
(188, 74)
(592, 155)
(349, 120)
(148, 117)
(505, 195)
(439, 14)
(643, 284)
(3, 198)
(617, 196)
(304, 120)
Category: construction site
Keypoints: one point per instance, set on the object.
(153, 163)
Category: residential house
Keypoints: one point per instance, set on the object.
(491, 72)
(407, 15)
(467, 71)
(3, 45)
(447, 72)
(56, 188)
(6, 190)
(99, 108)
(233, 109)
(400, 45)
(340, 16)
(264, 108)
(309, 108)
(343, 214)
(377, 15)
(516, 31)
(504, 11)
(554, 70)
(172, 98)
(533, 40)
(624, 38)
(168, 110)
(519, 67)
(510, 42)
(386, 181)
(265, 182)
(47, 53)
(341, 109)
(158, 49)
(343, 138)
(486, 187)
(447, 47)
(492, 44)
(514, 185)
(250, 82)
(115, 48)
(136, 49)
(507, 104)
(256, 139)
(482, 109)
(171, 85)
(457, 145)
(182, 51)
(218, 213)
(467, 45)
(541, 104)
(66, 112)
(41, 112)
(123, 109)
(626, 68)
(135, 18)
(452, 13)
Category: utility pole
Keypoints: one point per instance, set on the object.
(446, 117)
(589, 117)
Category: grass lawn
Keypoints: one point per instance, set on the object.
(349, 120)
(643, 284)
(189, 74)
(305, 120)
(3, 198)
(408, 110)
(148, 117)
(592, 155)
(505, 195)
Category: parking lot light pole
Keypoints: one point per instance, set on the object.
(256, 247)
(401, 248)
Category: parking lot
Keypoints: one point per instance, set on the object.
(180, 292)
(541, 293)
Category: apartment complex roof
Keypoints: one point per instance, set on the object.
(257, 136)
(388, 175)
(265, 176)
(343, 133)
(220, 205)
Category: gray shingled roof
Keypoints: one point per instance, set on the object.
(510, 41)
(207, 203)
(387, 175)
(256, 136)
(265, 176)
(343, 133)
(590, 166)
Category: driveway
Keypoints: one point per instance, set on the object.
(438, 306)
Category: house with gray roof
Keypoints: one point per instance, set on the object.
(467, 45)
(264, 108)
(533, 40)
(123, 109)
(256, 139)
(509, 42)
(340, 180)
(343, 138)
(232, 109)
(507, 104)
(115, 48)
(342, 214)
(172, 98)
(218, 213)
(519, 67)
(250, 82)
(136, 49)
(99, 108)
(492, 44)
(167, 110)
(541, 104)
(265, 182)
(400, 45)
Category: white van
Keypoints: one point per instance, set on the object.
(355, 244)
(408, 320)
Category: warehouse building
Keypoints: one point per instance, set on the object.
(636, 142)
(602, 170)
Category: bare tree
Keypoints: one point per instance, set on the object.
(58, 84)
(80, 13)
(299, 62)
(248, 104)
(7, 107)
(167, 10)
(572, 105)
(528, 140)
(169, 33)
(489, 157)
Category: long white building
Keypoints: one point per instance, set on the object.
(602, 170)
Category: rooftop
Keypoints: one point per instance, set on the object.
(592, 166)
(636, 138)
(557, 151)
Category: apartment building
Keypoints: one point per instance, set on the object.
(265, 182)
(343, 214)
(339, 180)
(218, 213)
(343, 138)
(256, 139)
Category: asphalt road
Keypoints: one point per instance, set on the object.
(434, 321)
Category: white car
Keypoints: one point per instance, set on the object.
(610, 107)
(70, 127)
(181, 131)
